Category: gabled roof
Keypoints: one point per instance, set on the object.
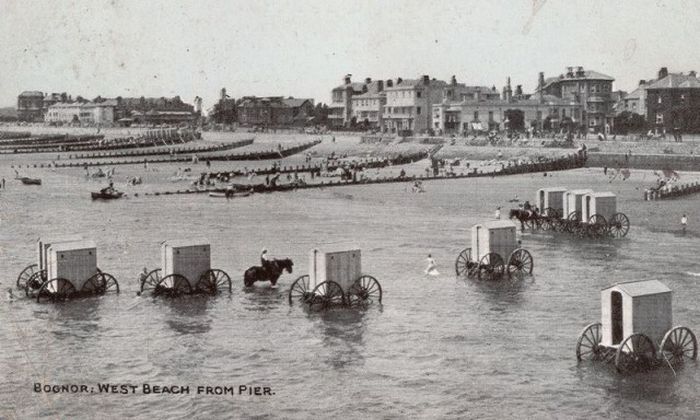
(294, 102)
(31, 93)
(641, 288)
(676, 80)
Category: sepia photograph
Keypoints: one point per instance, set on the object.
(397, 209)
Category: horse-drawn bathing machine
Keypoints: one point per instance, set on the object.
(635, 316)
(66, 268)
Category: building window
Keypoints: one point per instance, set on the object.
(659, 100)
(659, 118)
(539, 115)
(418, 94)
(418, 110)
(476, 115)
(490, 116)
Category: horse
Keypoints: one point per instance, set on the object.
(522, 215)
(271, 273)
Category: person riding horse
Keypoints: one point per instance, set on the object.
(269, 270)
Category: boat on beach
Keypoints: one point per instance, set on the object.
(106, 195)
(29, 181)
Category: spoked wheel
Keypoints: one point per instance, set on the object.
(679, 345)
(552, 213)
(300, 290)
(520, 262)
(34, 283)
(365, 290)
(327, 294)
(546, 224)
(95, 285)
(56, 289)
(172, 285)
(464, 264)
(572, 221)
(490, 267)
(25, 275)
(619, 225)
(588, 344)
(151, 280)
(214, 281)
(636, 353)
(597, 226)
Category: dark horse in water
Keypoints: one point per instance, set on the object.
(522, 215)
(271, 273)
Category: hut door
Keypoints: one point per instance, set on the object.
(541, 205)
(587, 214)
(616, 316)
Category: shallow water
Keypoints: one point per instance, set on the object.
(440, 347)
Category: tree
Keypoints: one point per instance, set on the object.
(626, 122)
(516, 119)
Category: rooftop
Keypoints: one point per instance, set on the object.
(641, 288)
(676, 80)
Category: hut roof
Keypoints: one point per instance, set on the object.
(180, 243)
(73, 245)
(497, 224)
(641, 288)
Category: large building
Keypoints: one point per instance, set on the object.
(274, 111)
(84, 113)
(593, 90)
(340, 109)
(408, 103)
(30, 106)
(673, 101)
(368, 106)
(483, 110)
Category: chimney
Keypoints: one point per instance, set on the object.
(389, 83)
(398, 81)
(540, 87)
(580, 72)
(368, 80)
(663, 72)
(453, 81)
(426, 79)
(642, 82)
(692, 73)
(508, 91)
(347, 79)
(519, 90)
(570, 72)
(380, 85)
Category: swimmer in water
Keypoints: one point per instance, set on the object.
(431, 270)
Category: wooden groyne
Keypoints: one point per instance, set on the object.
(164, 151)
(674, 191)
(569, 162)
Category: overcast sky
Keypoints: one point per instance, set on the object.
(304, 48)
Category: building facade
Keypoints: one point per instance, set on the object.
(673, 101)
(340, 109)
(30, 106)
(84, 113)
(408, 105)
(274, 111)
(593, 90)
(368, 106)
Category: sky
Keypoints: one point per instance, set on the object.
(305, 48)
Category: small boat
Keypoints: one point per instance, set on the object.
(106, 195)
(30, 181)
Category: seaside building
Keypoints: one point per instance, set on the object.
(30, 106)
(673, 101)
(274, 111)
(593, 90)
(408, 103)
(340, 109)
(368, 106)
(84, 113)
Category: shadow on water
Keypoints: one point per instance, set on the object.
(78, 317)
(188, 314)
(341, 330)
(507, 290)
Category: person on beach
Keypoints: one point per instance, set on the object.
(684, 222)
(142, 276)
(498, 213)
(431, 270)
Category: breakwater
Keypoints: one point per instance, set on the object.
(163, 150)
(645, 161)
(565, 163)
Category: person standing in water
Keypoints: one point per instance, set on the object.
(498, 213)
(684, 222)
(431, 270)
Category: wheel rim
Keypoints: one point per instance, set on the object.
(365, 290)
(35, 282)
(490, 267)
(619, 225)
(25, 275)
(463, 262)
(520, 261)
(327, 294)
(172, 285)
(300, 290)
(588, 345)
(636, 353)
(598, 225)
(214, 281)
(94, 285)
(56, 289)
(678, 345)
(110, 283)
(151, 280)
